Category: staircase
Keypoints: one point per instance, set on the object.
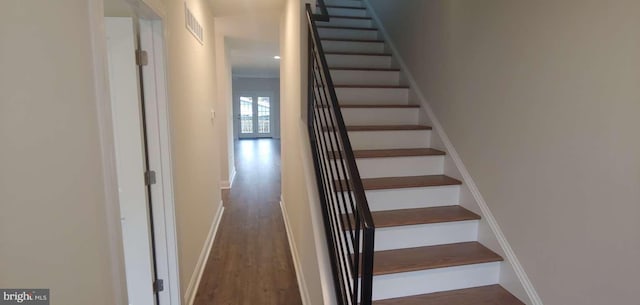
(426, 248)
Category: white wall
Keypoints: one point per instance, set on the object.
(541, 101)
(53, 230)
(196, 137)
(298, 195)
(249, 85)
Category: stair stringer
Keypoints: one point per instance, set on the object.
(512, 275)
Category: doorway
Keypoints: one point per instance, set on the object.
(255, 119)
(256, 107)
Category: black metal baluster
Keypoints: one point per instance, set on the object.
(347, 219)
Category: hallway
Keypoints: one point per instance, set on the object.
(250, 262)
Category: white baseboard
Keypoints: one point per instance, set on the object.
(225, 185)
(302, 285)
(437, 127)
(194, 282)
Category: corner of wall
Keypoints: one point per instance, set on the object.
(302, 284)
(105, 129)
(196, 276)
(228, 184)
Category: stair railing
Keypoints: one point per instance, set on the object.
(348, 223)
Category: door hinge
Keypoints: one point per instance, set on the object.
(142, 59)
(150, 177)
(158, 285)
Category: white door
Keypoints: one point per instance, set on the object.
(130, 160)
(255, 118)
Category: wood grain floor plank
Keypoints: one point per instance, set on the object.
(250, 262)
(402, 152)
(432, 257)
(406, 217)
(382, 127)
(485, 295)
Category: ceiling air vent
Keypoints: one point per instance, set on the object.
(193, 25)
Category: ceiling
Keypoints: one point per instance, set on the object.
(240, 7)
(250, 58)
(252, 35)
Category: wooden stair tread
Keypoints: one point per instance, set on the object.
(352, 40)
(432, 257)
(384, 183)
(390, 153)
(379, 106)
(363, 69)
(484, 295)
(349, 17)
(372, 86)
(365, 106)
(418, 216)
(386, 127)
(339, 27)
(357, 53)
(382, 127)
(408, 182)
(344, 6)
(403, 152)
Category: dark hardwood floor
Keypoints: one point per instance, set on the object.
(250, 263)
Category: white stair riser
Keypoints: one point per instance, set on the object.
(411, 198)
(390, 139)
(380, 116)
(352, 22)
(434, 280)
(358, 61)
(369, 116)
(350, 3)
(363, 77)
(347, 34)
(352, 46)
(425, 235)
(347, 12)
(373, 95)
(412, 236)
(400, 166)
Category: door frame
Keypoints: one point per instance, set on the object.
(130, 151)
(152, 14)
(236, 112)
(158, 130)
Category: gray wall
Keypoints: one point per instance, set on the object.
(541, 99)
(53, 232)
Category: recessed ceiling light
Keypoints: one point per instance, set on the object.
(276, 57)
